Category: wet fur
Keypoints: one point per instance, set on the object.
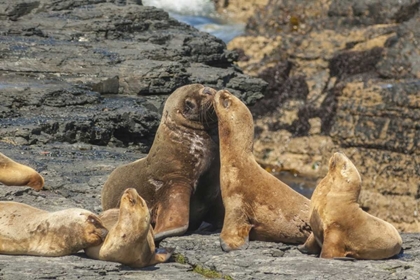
(179, 177)
(25, 230)
(340, 227)
(16, 174)
(258, 206)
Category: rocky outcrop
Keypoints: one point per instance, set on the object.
(239, 10)
(343, 75)
(68, 68)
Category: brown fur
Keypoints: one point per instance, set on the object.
(130, 240)
(340, 227)
(16, 174)
(257, 204)
(179, 177)
(25, 230)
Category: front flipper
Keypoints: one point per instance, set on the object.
(173, 211)
(333, 246)
(235, 231)
(311, 246)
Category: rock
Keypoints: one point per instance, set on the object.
(353, 66)
(239, 10)
(61, 60)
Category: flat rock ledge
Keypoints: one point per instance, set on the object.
(74, 175)
(198, 256)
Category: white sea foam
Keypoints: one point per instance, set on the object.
(201, 14)
(184, 7)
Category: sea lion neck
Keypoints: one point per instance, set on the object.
(237, 138)
(132, 223)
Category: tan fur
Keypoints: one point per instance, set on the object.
(257, 204)
(130, 240)
(179, 177)
(340, 227)
(16, 174)
(25, 230)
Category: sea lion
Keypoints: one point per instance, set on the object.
(16, 174)
(130, 240)
(258, 206)
(341, 229)
(25, 230)
(179, 178)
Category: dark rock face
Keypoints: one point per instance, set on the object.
(342, 76)
(61, 59)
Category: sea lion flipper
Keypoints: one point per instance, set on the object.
(173, 212)
(332, 246)
(311, 246)
(235, 232)
(161, 255)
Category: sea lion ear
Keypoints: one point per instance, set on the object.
(226, 102)
(161, 255)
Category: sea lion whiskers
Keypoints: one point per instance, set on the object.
(207, 113)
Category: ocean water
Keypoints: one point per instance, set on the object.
(202, 15)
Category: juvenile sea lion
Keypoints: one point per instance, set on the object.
(16, 174)
(130, 240)
(25, 230)
(340, 227)
(258, 206)
(179, 178)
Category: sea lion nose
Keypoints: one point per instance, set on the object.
(103, 232)
(207, 90)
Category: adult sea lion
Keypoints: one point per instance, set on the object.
(179, 178)
(340, 227)
(16, 174)
(258, 206)
(25, 230)
(130, 240)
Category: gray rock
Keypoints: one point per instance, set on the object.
(74, 175)
(61, 60)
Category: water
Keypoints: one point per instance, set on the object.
(202, 15)
(303, 185)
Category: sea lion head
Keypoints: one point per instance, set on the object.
(94, 232)
(36, 181)
(191, 106)
(134, 211)
(234, 118)
(345, 175)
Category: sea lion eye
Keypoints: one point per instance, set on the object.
(92, 220)
(189, 105)
(226, 103)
